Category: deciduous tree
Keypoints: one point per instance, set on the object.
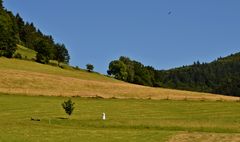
(90, 67)
(118, 69)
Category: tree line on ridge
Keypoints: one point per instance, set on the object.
(221, 76)
(14, 30)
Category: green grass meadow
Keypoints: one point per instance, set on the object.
(127, 120)
(26, 52)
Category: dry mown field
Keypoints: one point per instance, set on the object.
(24, 77)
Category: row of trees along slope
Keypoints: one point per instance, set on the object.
(221, 76)
(14, 30)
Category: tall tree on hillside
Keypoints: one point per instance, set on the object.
(8, 38)
(20, 21)
(43, 55)
(14, 26)
(62, 55)
(20, 24)
(7, 43)
(28, 35)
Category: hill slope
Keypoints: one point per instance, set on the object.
(25, 77)
(14, 31)
(221, 76)
(26, 53)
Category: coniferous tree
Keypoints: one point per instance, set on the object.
(8, 38)
(13, 30)
(62, 55)
(43, 52)
(20, 25)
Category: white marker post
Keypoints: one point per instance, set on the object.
(103, 116)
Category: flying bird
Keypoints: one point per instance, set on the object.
(170, 12)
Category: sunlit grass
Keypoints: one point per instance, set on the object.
(127, 119)
(26, 53)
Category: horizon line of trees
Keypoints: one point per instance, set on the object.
(221, 76)
(14, 30)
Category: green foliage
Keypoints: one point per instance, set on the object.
(90, 67)
(118, 69)
(221, 76)
(43, 52)
(130, 68)
(28, 34)
(18, 56)
(68, 106)
(14, 30)
(62, 54)
(8, 38)
(131, 71)
(20, 24)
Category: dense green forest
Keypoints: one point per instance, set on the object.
(221, 76)
(14, 30)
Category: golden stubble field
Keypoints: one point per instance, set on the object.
(34, 83)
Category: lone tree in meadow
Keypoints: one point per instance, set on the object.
(68, 106)
(90, 67)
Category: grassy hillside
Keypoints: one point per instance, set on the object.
(25, 77)
(26, 52)
(29, 54)
(127, 120)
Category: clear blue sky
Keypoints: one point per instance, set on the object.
(99, 31)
